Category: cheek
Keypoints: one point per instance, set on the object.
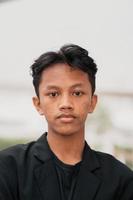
(45, 104)
(83, 112)
(84, 107)
(48, 110)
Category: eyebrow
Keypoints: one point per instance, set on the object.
(57, 87)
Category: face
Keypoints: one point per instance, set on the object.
(65, 99)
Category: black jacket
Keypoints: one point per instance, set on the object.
(27, 173)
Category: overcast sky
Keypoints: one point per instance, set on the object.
(28, 28)
(105, 28)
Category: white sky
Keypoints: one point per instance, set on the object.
(30, 27)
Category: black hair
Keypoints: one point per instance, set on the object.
(73, 55)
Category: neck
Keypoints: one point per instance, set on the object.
(67, 148)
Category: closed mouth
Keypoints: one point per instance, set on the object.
(66, 118)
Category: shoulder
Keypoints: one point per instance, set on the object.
(21, 154)
(11, 158)
(15, 151)
(117, 173)
(109, 161)
(12, 165)
(113, 168)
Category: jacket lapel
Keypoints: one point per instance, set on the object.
(45, 173)
(88, 183)
(87, 186)
(47, 181)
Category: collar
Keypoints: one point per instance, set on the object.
(43, 153)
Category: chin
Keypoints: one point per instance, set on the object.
(65, 131)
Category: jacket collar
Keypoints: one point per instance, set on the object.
(87, 182)
(42, 150)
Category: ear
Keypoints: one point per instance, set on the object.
(36, 102)
(93, 103)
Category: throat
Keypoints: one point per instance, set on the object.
(67, 150)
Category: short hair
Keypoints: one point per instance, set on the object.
(73, 55)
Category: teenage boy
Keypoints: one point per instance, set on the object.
(60, 165)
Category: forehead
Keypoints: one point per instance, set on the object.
(62, 75)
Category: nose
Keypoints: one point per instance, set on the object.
(65, 103)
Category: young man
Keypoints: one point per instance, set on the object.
(60, 165)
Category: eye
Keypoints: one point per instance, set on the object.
(77, 93)
(53, 94)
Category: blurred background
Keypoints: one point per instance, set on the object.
(105, 28)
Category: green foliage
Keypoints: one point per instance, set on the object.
(4, 143)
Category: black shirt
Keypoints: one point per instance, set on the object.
(67, 176)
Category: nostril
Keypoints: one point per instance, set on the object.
(65, 107)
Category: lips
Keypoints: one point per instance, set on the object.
(66, 118)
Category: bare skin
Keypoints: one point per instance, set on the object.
(68, 149)
(65, 99)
